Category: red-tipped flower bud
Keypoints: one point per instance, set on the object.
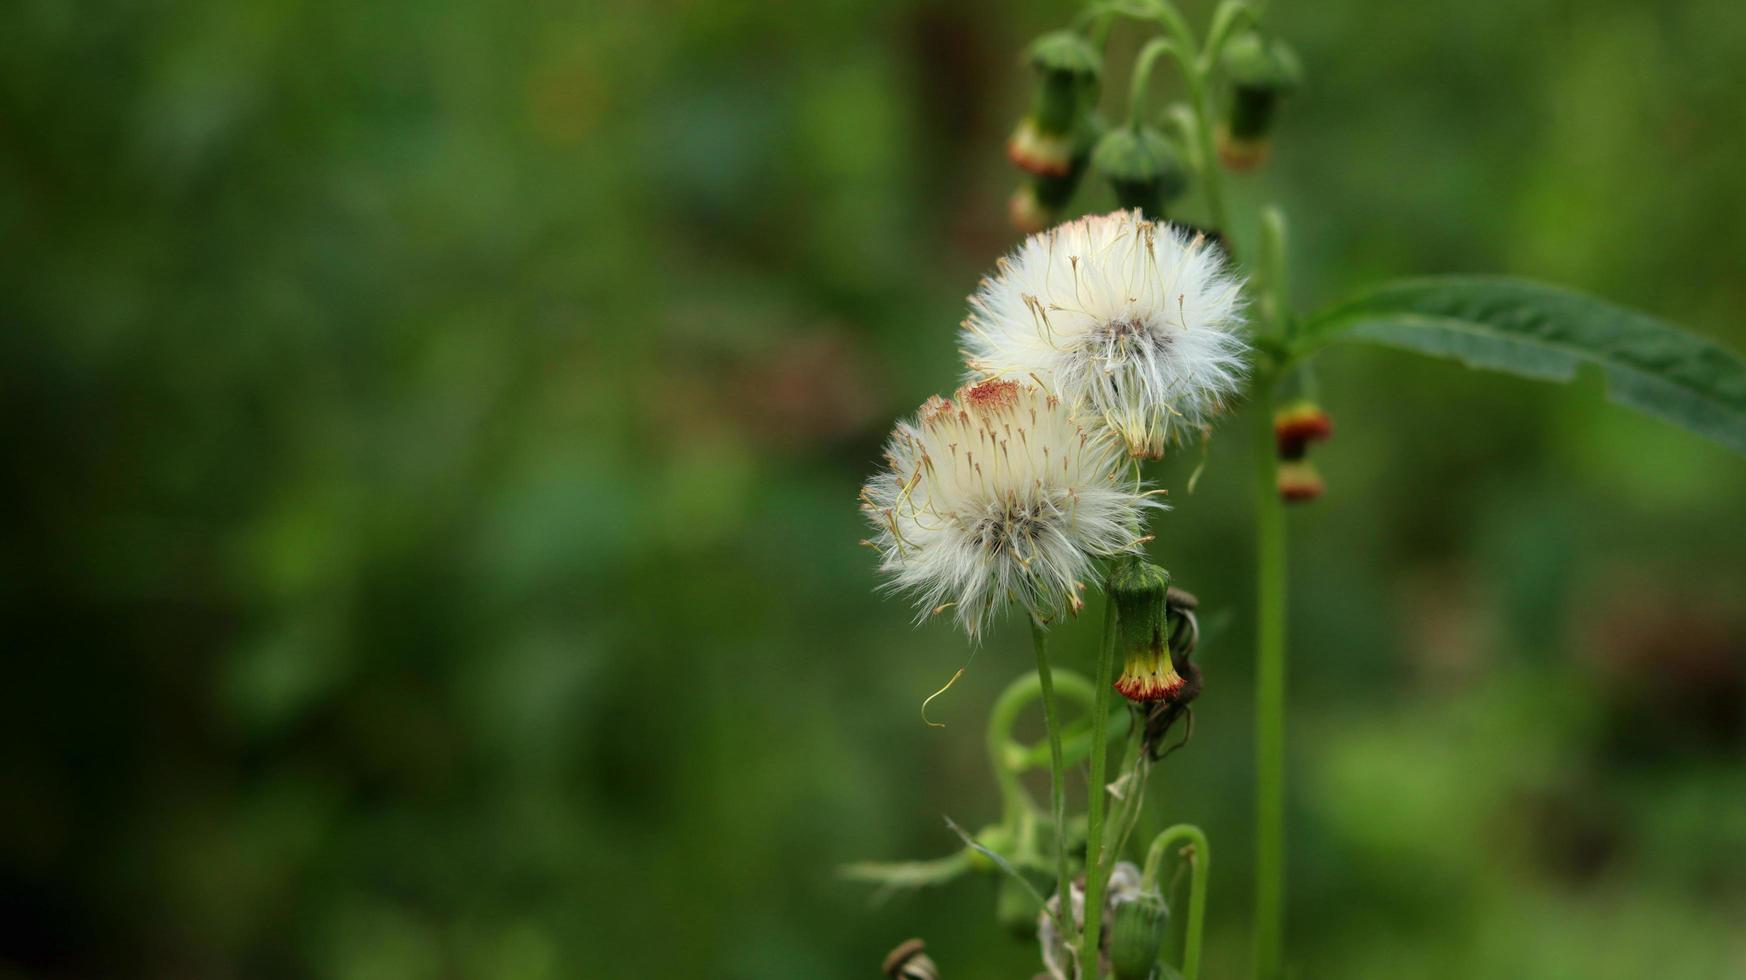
(1297, 425)
(1261, 71)
(1046, 140)
(1139, 590)
(1298, 481)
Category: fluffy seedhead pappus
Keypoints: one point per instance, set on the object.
(1000, 494)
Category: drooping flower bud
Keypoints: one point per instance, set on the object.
(909, 961)
(1139, 590)
(1136, 933)
(1143, 168)
(1047, 139)
(1040, 201)
(1298, 481)
(1261, 72)
(1297, 425)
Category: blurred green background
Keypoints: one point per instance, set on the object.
(434, 429)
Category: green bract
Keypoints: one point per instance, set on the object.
(1142, 166)
(1252, 61)
(1066, 53)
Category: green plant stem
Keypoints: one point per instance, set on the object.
(1269, 695)
(1140, 83)
(1200, 861)
(1092, 938)
(1196, 73)
(1057, 776)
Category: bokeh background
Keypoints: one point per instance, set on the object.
(433, 430)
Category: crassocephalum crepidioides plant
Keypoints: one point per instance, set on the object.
(1096, 346)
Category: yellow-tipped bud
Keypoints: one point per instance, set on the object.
(1139, 590)
(1297, 425)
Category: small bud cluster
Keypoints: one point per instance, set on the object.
(1295, 427)
(1063, 135)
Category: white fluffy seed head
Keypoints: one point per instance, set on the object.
(999, 494)
(1134, 319)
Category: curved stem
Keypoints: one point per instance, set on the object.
(1057, 775)
(1195, 76)
(1200, 860)
(1230, 15)
(1019, 693)
(1091, 939)
(1139, 84)
(1269, 695)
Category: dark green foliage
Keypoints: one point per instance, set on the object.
(1540, 331)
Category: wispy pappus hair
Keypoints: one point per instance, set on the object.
(1140, 321)
(999, 494)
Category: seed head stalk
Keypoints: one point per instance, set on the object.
(1057, 777)
(1091, 940)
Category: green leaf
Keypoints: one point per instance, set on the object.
(1539, 331)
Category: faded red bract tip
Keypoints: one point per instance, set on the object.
(1298, 481)
(989, 395)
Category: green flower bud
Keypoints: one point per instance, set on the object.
(1261, 72)
(1139, 590)
(1135, 935)
(1143, 168)
(1047, 140)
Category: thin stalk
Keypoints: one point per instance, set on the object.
(1195, 74)
(1269, 696)
(1140, 83)
(1092, 938)
(1200, 860)
(1135, 770)
(1057, 775)
(1014, 799)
